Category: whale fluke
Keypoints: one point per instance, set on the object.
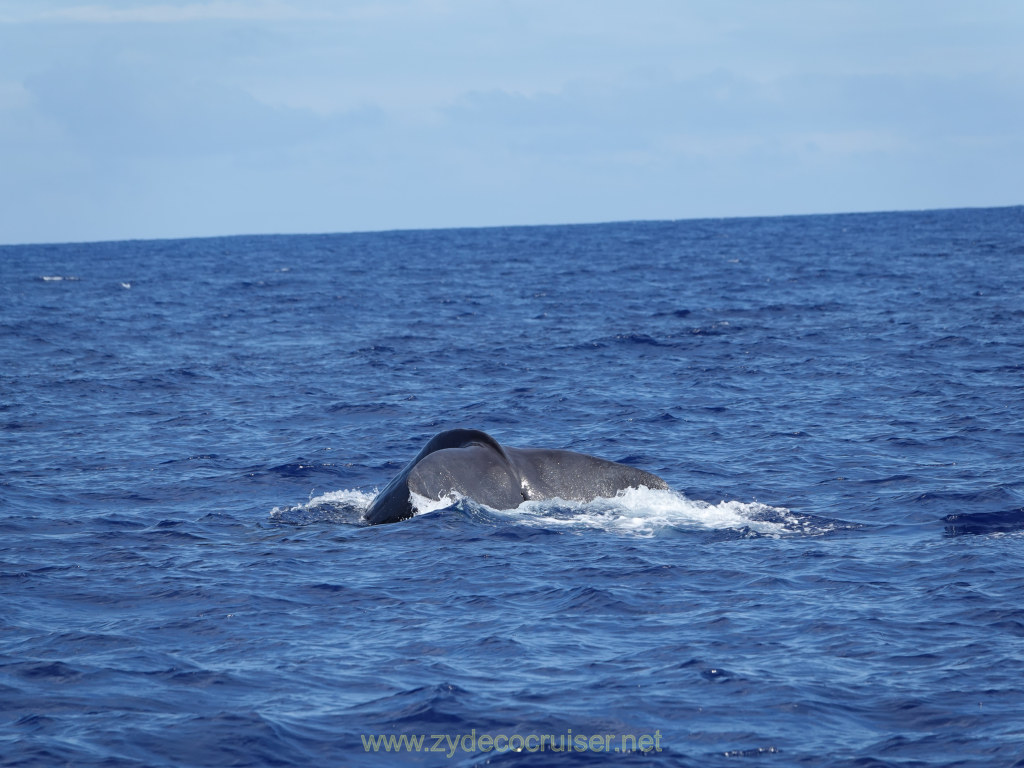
(472, 463)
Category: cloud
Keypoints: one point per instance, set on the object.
(117, 109)
(166, 13)
(139, 118)
(726, 113)
(143, 12)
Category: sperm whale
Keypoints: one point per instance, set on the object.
(472, 463)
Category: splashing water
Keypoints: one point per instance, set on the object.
(644, 512)
(346, 506)
(634, 511)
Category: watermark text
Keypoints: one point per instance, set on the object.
(451, 744)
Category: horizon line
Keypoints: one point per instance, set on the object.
(330, 233)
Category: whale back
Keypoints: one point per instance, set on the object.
(549, 474)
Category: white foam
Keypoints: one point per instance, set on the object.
(634, 511)
(421, 505)
(642, 511)
(349, 497)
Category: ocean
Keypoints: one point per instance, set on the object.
(192, 429)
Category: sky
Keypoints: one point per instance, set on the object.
(130, 119)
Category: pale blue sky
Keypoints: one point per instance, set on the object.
(132, 119)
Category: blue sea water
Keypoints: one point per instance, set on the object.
(191, 431)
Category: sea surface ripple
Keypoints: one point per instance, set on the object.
(191, 430)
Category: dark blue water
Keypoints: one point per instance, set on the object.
(191, 430)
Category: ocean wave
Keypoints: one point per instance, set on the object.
(345, 506)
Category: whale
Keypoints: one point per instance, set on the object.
(473, 464)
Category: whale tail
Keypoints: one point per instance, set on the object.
(472, 463)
